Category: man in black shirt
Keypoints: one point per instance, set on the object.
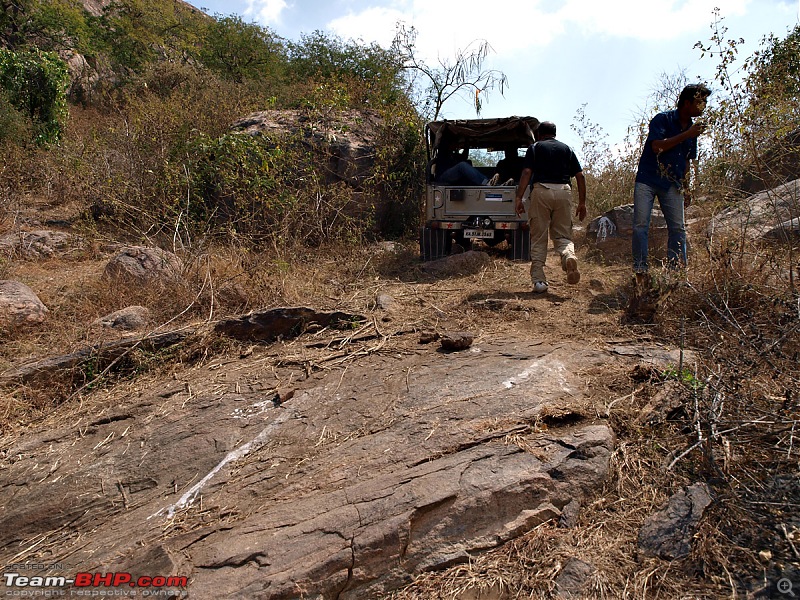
(549, 166)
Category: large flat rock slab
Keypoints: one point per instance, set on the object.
(369, 474)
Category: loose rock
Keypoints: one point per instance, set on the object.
(668, 532)
(453, 342)
(35, 244)
(574, 579)
(270, 325)
(139, 264)
(128, 319)
(19, 305)
(465, 263)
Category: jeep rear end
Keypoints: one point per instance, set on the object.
(458, 215)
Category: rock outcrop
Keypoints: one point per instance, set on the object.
(771, 214)
(345, 143)
(36, 244)
(348, 488)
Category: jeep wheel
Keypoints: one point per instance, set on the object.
(434, 243)
(520, 245)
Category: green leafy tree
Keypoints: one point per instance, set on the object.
(14, 126)
(13, 16)
(773, 85)
(50, 25)
(610, 172)
(755, 119)
(136, 33)
(357, 74)
(35, 83)
(241, 51)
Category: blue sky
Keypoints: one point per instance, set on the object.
(558, 54)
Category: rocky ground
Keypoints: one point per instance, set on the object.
(452, 435)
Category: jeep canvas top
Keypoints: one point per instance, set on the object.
(461, 212)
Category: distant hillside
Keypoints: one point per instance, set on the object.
(105, 39)
(154, 88)
(95, 7)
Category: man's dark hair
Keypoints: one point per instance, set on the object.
(692, 91)
(546, 128)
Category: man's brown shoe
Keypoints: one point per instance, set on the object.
(573, 275)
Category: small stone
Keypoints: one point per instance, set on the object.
(427, 337)
(454, 342)
(384, 301)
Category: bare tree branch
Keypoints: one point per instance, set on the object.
(463, 75)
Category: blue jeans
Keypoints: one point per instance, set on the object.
(462, 174)
(671, 201)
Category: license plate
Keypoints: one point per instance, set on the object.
(479, 234)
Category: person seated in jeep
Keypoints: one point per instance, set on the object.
(510, 168)
(452, 168)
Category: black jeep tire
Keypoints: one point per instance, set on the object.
(520, 246)
(434, 243)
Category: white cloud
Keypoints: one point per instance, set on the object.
(441, 29)
(648, 20)
(513, 26)
(266, 12)
(375, 24)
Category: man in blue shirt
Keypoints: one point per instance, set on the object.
(663, 172)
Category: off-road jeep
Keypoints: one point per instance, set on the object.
(461, 214)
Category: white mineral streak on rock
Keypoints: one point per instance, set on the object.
(190, 496)
(546, 370)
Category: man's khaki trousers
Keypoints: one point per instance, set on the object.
(550, 213)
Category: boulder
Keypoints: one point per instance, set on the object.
(84, 77)
(779, 164)
(128, 318)
(19, 305)
(342, 147)
(771, 214)
(784, 232)
(346, 142)
(618, 223)
(144, 265)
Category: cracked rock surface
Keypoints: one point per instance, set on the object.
(361, 479)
